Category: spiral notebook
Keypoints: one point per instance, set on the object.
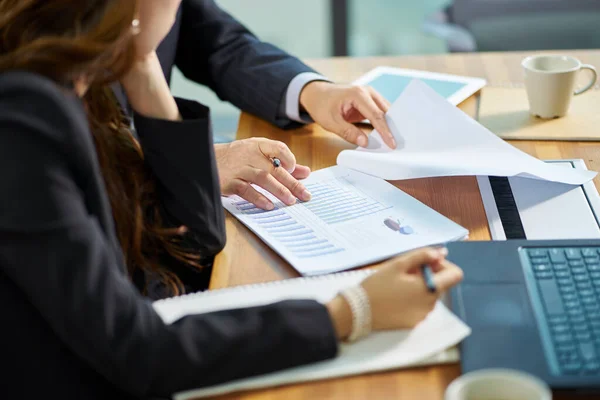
(431, 342)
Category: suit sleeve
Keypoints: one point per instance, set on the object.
(56, 253)
(181, 157)
(216, 50)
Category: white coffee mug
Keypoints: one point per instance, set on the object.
(498, 384)
(550, 82)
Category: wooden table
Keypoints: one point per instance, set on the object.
(246, 259)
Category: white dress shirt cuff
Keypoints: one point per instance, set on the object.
(292, 97)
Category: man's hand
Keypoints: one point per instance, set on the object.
(337, 107)
(246, 162)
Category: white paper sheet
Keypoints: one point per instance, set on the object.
(437, 139)
(352, 220)
(423, 345)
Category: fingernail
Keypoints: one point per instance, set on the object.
(305, 195)
(363, 141)
(393, 142)
(266, 205)
(443, 251)
(291, 200)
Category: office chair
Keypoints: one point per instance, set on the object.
(511, 25)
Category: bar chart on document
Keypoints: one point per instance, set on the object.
(352, 219)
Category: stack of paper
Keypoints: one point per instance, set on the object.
(437, 139)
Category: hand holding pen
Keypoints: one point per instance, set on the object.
(403, 292)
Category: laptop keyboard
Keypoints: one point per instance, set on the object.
(568, 282)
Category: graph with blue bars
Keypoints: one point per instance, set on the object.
(334, 204)
(331, 203)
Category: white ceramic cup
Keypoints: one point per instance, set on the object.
(498, 384)
(550, 82)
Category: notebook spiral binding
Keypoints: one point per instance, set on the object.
(253, 286)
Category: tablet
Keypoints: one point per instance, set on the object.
(390, 82)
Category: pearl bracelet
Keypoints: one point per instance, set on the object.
(359, 304)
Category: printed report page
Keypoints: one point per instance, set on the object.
(353, 219)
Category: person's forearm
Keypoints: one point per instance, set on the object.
(182, 160)
(148, 91)
(341, 317)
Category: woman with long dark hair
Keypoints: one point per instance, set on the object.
(93, 216)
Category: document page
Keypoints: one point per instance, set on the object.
(437, 139)
(353, 219)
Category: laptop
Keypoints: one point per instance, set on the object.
(533, 306)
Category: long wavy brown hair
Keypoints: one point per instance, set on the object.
(66, 40)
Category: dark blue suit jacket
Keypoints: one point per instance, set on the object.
(210, 47)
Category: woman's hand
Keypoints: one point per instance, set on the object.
(246, 162)
(145, 85)
(148, 91)
(156, 18)
(397, 292)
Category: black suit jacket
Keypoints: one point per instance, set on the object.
(212, 48)
(73, 324)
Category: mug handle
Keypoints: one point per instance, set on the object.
(593, 81)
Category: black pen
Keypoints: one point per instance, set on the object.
(428, 277)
